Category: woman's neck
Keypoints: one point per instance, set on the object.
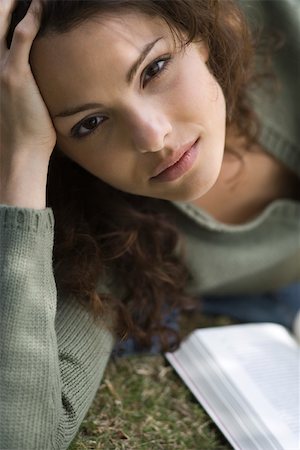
(249, 180)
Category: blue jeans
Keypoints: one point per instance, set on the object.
(280, 306)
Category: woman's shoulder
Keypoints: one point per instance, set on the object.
(277, 23)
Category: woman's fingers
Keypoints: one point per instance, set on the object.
(25, 123)
(24, 34)
(6, 9)
(26, 129)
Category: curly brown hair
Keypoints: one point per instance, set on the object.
(105, 237)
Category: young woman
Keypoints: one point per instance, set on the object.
(141, 168)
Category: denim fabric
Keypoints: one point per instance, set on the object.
(280, 306)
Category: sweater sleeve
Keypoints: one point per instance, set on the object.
(53, 353)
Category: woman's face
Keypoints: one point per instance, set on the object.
(141, 113)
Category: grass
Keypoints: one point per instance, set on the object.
(143, 405)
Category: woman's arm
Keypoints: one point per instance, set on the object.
(52, 356)
(52, 353)
(27, 133)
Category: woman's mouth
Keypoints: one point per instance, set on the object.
(180, 166)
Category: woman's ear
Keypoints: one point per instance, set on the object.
(204, 50)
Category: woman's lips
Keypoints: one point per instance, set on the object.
(182, 165)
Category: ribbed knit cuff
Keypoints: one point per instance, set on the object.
(35, 220)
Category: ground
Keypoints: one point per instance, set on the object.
(143, 405)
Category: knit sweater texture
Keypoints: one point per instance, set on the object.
(52, 352)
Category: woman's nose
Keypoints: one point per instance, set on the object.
(149, 130)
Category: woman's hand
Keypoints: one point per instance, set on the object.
(26, 130)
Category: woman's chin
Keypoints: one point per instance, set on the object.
(193, 190)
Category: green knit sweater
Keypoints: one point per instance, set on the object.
(53, 353)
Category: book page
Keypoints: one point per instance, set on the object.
(247, 379)
(263, 362)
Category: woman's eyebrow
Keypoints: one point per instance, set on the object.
(129, 77)
(134, 68)
(76, 109)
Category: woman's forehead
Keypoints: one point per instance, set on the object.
(128, 31)
(101, 48)
(109, 26)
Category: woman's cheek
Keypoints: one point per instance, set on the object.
(75, 151)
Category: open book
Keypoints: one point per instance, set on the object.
(247, 378)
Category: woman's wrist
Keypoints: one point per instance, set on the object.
(23, 198)
(24, 185)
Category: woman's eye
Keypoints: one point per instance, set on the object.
(155, 69)
(87, 127)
